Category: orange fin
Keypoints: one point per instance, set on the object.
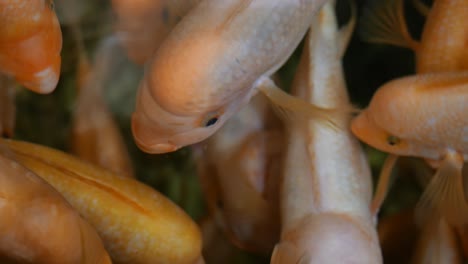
(421, 7)
(445, 195)
(290, 108)
(384, 22)
(384, 184)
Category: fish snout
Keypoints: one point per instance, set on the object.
(358, 125)
(145, 136)
(43, 81)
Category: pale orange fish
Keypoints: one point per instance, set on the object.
(30, 43)
(212, 63)
(38, 225)
(239, 170)
(444, 41)
(142, 25)
(326, 186)
(424, 116)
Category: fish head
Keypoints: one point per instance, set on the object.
(158, 129)
(35, 61)
(368, 131)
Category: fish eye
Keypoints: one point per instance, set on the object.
(211, 121)
(393, 140)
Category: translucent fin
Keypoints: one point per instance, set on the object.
(422, 8)
(346, 32)
(384, 184)
(383, 22)
(290, 108)
(444, 195)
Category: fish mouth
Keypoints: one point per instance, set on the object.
(142, 135)
(158, 148)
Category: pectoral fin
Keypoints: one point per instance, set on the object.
(293, 109)
(384, 184)
(445, 195)
(383, 22)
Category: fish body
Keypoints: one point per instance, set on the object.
(142, 25)
(326, 185)
(30, 43)
(38, 225)
(427, 113)
(239, 170)
(211, 65)
(137, 224)
(423, 116)
(444, 41)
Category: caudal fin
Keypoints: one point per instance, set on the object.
(383, 22)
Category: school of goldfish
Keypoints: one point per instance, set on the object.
(284, 175)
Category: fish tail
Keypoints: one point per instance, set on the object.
(384, 22)
(445, 195)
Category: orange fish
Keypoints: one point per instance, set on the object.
(30, 43)
(38, 225)
(424, 116)
(137, 224)
(444, 41)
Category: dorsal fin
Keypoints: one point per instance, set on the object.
(383, 22)
(383, 184)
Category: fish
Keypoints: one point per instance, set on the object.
(443, 45)
(212, 63)
(239, 170)
(30, 44)
(137, 224)
(424, 116)
(326, 186)
(38, 225)
(141, 26)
